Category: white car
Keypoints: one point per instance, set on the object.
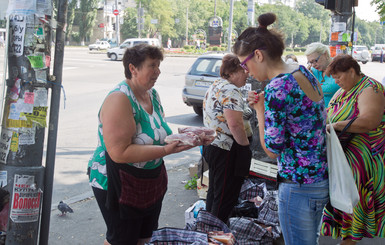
(98, 45)
(361, 53)
(118, 52)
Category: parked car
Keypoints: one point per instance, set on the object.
(118, 52)
(98, 45)
(203, 72)
(361, 53)
(376, 53)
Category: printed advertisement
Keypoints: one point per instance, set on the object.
(26, 200)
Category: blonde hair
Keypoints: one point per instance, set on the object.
(317, 48)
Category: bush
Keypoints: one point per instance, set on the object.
(223, 48)
(75, 37)
(187, 47)
(289, 50)
(297, 49)
(303, 49)
(216, 48)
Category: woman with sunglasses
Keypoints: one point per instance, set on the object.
(229, 155)
(318, 58)
(292, 128)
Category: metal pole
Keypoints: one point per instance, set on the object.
(187, 26)
(117, 24)
(353, 22)
(53, 122)
(230, 26)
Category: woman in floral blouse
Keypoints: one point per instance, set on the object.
(229, 155)
(292, 118)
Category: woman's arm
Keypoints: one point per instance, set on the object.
(235, 123)
(257, 101)
(371, 105)
(119, 128)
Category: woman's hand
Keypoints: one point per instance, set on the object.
(256, 100)
(174, 147)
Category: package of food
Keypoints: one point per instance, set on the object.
(220, 236)
(184, 139)
(207, 135)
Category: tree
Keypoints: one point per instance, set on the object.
(380, 8)
(70, 18)
(129, 27)
(88, 16)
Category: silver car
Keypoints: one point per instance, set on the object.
(200, 76)
(361, 53)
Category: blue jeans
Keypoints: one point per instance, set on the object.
(300, 209)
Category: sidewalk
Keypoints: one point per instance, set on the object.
(86, 226)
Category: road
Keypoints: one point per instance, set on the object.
(87, 78)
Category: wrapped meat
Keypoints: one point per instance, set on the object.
(220, 236)
(184, 139)
(207, 135)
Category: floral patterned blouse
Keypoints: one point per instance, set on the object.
(222, 95)
(295, 129)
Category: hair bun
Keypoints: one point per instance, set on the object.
(266, 19)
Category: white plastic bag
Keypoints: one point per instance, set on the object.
(342, 187)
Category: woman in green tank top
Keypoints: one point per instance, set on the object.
(127, 172)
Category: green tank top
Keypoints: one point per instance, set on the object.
(150, 130)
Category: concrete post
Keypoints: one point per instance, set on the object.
(24, 117)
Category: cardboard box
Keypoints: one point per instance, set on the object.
(193, 169)
(202, 189)
(205, 180)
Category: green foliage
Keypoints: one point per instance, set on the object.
(88, 17)
(75, 37)
(192, 183)
(289, 49)
(70, 17)
(129, 28)
(215, 48)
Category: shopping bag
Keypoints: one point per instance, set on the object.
(342, 187)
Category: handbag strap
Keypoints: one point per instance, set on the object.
(347, 126)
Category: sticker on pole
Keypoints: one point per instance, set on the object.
(25, 199)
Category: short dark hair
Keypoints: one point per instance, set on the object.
(342, 63)
(230, 64)
(268, 41)
(138, 54)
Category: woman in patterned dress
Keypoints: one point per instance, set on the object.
(362, 97)
(292, 128)
(318, 58)
(129, 156)
(229, 155)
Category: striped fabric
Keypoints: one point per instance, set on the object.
(174, 236)
(365, 154)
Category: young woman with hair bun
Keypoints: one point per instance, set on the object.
(292, 128)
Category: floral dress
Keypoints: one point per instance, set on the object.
(365, 154)
(295, 129)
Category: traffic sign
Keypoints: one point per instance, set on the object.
(101, 25)
(116, 12)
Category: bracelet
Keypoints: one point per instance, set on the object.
(164, 149)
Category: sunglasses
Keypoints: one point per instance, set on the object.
(243, 64)
(314, 61)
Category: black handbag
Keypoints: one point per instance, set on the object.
(346, 137)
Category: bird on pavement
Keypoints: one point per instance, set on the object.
(64, 208)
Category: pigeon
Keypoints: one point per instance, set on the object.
(64, 208)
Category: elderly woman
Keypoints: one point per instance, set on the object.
(292, 128)
(229, 155)
(318, 57)
(129, 156)
(363, 98)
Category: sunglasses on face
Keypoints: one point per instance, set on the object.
(312, 62)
